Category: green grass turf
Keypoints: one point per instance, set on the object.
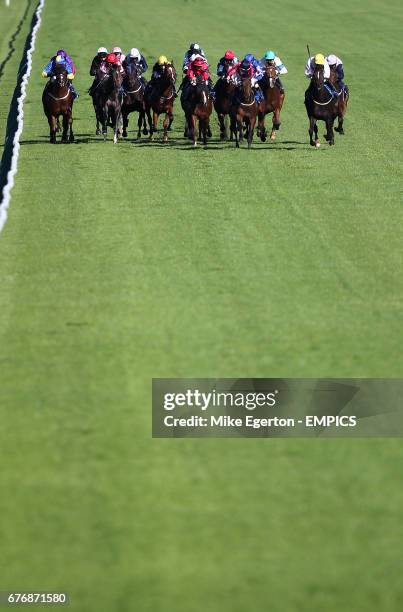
(123, 263)
(15, 22)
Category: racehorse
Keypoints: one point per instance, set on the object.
(343, 96)
(224, 91)
(244, 110)
(160, 97)
(198, 107)
(57, 99)
(133, 100)
(320, 105)
(102, 74)
(272, 103)
(107, 100)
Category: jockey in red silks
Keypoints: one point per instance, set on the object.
(200, 67)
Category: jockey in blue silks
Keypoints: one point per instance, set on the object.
(258, 73)
(60, 60)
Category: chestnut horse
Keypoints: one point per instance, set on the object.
(198, 107)
(57, 99)
(160, 97)
(224, 91)
(244, 110)
(320, 105)
(343, 96)
(272, 103)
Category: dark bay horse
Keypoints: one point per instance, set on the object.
(160, 98)
(244, 110)
(224, 92)
(343, 96)
(272, 103)
(57, 100)
(133, 100)
(198, 107)
(320, 105)
(102, 74)
(108, 102)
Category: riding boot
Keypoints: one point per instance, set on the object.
(73, 91)
(280, 85)
(91, 90)
(211, 89)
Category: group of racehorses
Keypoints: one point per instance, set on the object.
(234, 98)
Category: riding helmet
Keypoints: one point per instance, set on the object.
(250, 57)
(269, 55)
(245, 64)
(229, 55)
(162, 60)
(331, 60)
(135, 53)
(102, 50)
(319, 59)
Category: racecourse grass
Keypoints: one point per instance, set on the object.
(123, 263)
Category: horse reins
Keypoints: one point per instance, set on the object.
(54, 97)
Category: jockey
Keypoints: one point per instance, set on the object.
(199, 67)
(157, 72)
(246, 67)
(226, 63)
(60, 60)
(99, 61)
(66, 60)
(194, 50)
(271, 59)
(119, 56)
(137, 59)
(320, 60)
(336, 64)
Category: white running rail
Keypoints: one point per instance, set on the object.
(6, 195)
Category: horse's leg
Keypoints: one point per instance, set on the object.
(206, 127)
(125, 119)
(234, 130)
(221, 123)
(240, 127)
(65, 133)
(261, 130)
(118, 119)
(194, 130)
(165, 126)
(252, 123)
(313, 127)
(329, 129)
(154, 124)
(53, 128)
(71, 137)
(276, 123)
(171, 119)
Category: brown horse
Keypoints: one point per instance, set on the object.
(224, 91)
(133, 100)
(343, 96)
(160, 97)
(244, 110)
(320, 105)
(272, 103)
(198, 107)
(57, 100)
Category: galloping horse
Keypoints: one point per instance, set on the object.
(272, 103)
(224, 91)
(133, 100)
(160, 97)
(57, 99)
(198, 107)
(101, 76)
(343, 96)
(244, 110)
(320, 105)
(108, 102)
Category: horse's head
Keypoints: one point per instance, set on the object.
(246, 87)
(318, 77)
(169, 72)
(60, 75)
(270, 73)
(132, 73)
(116, 75)
(201, 91)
